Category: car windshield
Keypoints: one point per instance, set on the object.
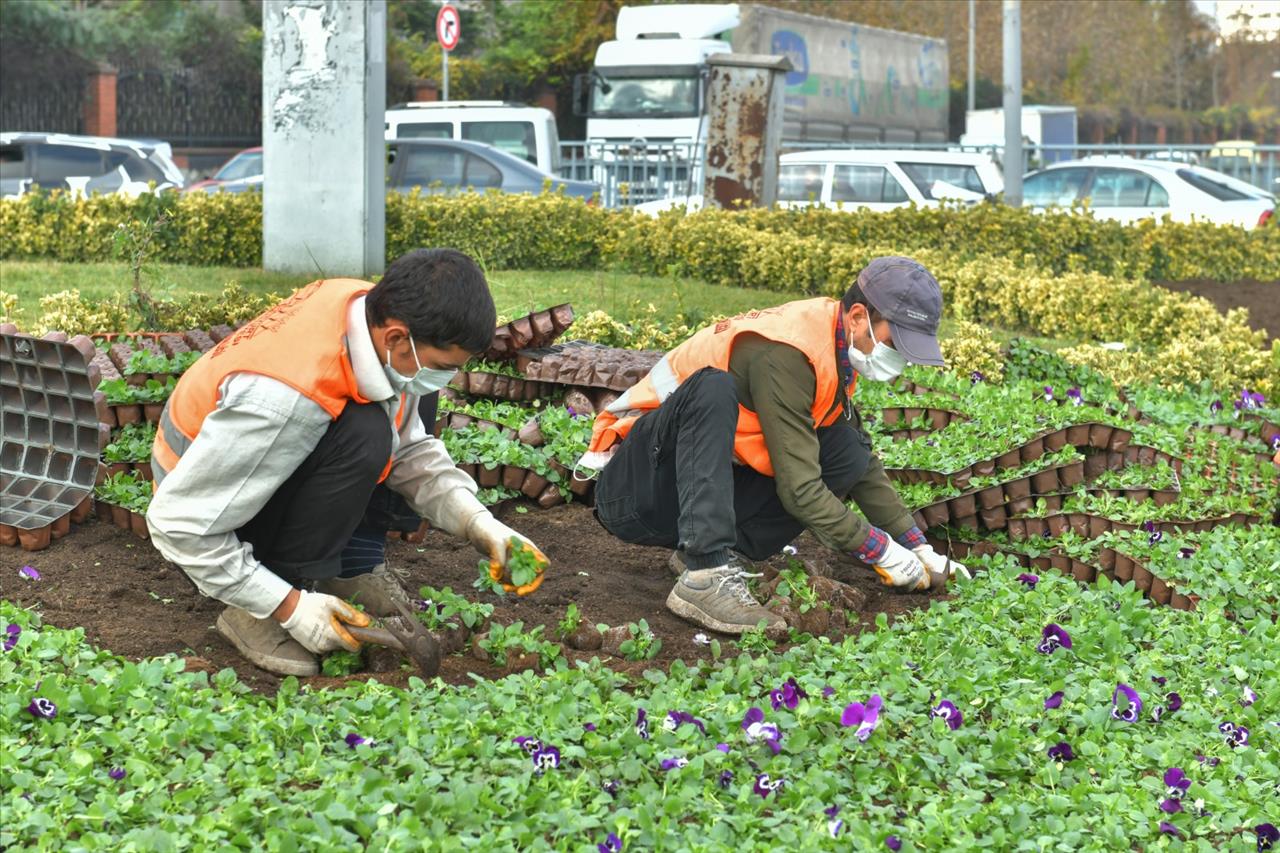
(242, 166)
(645, 96)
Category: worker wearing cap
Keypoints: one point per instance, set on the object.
(743, 436)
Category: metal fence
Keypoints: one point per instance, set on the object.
(188, 108)
(631, 173)
(52, 104)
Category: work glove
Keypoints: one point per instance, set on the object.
(492, 537)
(901, 568)
(317, 623)
(939, 567)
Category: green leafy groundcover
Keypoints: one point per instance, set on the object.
(143, 756)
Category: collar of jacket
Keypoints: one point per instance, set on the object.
(371, 380)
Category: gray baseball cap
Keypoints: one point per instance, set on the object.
(908, 296)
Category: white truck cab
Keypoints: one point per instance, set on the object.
(522, 131)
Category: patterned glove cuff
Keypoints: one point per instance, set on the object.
(873, 548)
(912, 539)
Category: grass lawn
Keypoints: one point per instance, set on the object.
(516, 292)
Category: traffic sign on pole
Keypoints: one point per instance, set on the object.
(448, 31)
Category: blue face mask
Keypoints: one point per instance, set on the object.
(427, 380)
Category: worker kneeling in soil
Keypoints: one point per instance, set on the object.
(287, 452)
(743, 436)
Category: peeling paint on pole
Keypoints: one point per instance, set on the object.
(324, 160)
(744, 130)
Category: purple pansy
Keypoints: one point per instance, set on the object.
(1252, 400)
(1176, 783)
(1169, 829)
(545, 758)
(42, 708)
(1185, 553)
(588, 727)
(611, 787)
(1275, 441)
(642, 723)
(834, 824)
(29, 573)
(865, 717)
(1236, 735)
(765, 786)
(894, 843)
(948, 712)
(757, 729)
(1247, 696)
(421, 604)
(1075, 397)
(1054, 701)
(11, 634)
(1061, 752)
(611, 844)
(1052, 638)
(828, 692)
(976, 377)
(1210, 762)
(1048, 393)
(723, 747)
(1028, 579)
(1172, 702)
(116, 773)
(353, 740)
(1267, 836)
(726, 778)
(789, 694)
(673, 763)
(1133, 704)
(1215, 407)
(676, 719)
(528, 744)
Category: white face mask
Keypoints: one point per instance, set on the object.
(427, 380)
(884, 362)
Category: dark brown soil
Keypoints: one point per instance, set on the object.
(1262, 298)
(130, 601)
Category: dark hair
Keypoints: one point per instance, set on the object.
(440, 294)
(854, 296)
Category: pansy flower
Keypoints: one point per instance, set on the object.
(673, 763)
(1075, 397)
(642, 724)
(1061, 752)
(789, 694)
(1267, 836)
(1028, 579)
(1172, 702)
(353, 740)
(1247, 696)
(723, 747)
(1054, 701)
(726, 778)
(1215, 407)
(765, 786)
(676, 719)
(1169, 829)
(757, 729)
(1160, 680)
(828, 692)
(865, 717)
(894, 843)
(545, 758)
(1052, 638)
(1185, 553)
(42, 708)
(588, 727)
(1048, 393)
(29, 573)
(116, 773)
(11, 634)
(528, 744)
(611, 787)
(1132, 708)
(611, 844)
(949, 713)
(1207, 761)
(1236, 735)
(976, 377)
(1275, 441)
(790, 550)
(1176, 784)
(834, 824)
(1252, 400)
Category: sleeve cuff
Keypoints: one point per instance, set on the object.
(261, 593)
(912, 539)
(873, 547)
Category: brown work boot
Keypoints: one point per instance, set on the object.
(265, 644)
(718, 599)
(376, 591)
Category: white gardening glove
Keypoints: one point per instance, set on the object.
(901, 568)
(317, 623)
(940, 567)
(493, 538)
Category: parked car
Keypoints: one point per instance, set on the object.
(1127, 190)
(244, 165)
(1242, 159)
(84, 164)
(528, 133)
(872, 180)
(455, 165)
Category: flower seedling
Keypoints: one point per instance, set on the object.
(643, 644)
(341, 662)
(522, 563)
(572, 621)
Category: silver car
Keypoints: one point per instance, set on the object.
(84, 164)
(457, 165)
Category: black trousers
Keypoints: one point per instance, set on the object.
(673, 483)
(333, 503)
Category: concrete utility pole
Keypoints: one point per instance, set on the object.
(1013, 161)
(324, 97)
(972, 38)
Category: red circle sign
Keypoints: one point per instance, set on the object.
(448, 27)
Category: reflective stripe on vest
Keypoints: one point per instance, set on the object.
(808, 325)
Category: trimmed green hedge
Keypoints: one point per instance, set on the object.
(554, 232)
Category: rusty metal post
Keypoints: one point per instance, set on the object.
(744, 129)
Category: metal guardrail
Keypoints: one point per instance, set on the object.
(638, 171)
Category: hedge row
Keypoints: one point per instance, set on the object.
(553, 232)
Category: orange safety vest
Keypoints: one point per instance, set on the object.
(300, 342)
(808, 325)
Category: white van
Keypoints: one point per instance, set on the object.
(522, 131)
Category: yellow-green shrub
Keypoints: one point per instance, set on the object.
(971, 348)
